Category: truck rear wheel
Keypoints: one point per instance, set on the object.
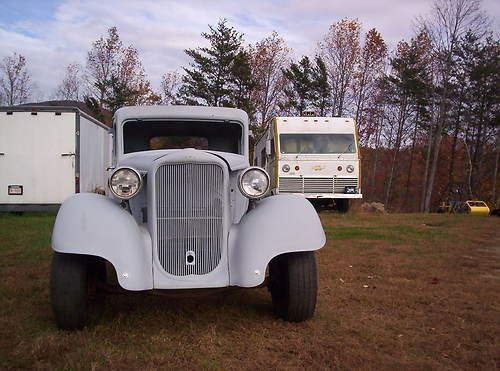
(342, 205)
(76, 290)
(293, 285)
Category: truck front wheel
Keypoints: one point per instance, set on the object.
(76, 289)
(342, 205)
(293, 285)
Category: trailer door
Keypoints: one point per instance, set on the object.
(37, 157)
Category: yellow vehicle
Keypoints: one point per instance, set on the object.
(477, 208)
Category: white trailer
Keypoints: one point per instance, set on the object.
(48, 154)
(317, 157)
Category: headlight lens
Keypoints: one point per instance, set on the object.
(125, 183)
(350, 168)
(254, 182)
(285, 168)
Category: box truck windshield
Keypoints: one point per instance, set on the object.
(317, 143)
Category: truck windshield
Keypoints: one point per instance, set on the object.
(317, 143)
(152, 135)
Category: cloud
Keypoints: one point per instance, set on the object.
(161, 30)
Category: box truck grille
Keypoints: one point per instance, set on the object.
(341, 183)
(305, 185)
(189, 217)
(315, 184)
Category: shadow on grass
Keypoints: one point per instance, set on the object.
(200, 306)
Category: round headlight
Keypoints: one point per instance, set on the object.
(285, 168)
(125, 183)
(350, 168)
(254, 182)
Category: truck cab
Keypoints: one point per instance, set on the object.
(184, 210)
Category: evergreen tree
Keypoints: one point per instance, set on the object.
(321, 90)
(476, 80)
(300, 85)
(242, 84)
(405, 91)
(220, 73)
(308, 87)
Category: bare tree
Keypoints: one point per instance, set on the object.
(269, 58)
(116, 75)
(72, 84)
(495, 169)
(14, 79)
(170, 85)
(448, 23)
(340, 51)
(370, 68)
(102, 60)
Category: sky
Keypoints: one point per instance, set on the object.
(54, 33)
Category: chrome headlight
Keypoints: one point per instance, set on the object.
(254, 182)
(350, 168)
(125, 183)
(285, 168)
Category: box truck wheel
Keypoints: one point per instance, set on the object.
(342, 205)
(293, 285)
(76, 290)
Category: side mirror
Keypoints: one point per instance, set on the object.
(268, 147)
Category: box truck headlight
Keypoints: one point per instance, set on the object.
(285, 168)
(125, 183)
(350, 168)
(254, 182)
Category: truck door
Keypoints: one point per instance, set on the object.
(37, 161)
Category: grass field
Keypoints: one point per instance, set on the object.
(395, 291)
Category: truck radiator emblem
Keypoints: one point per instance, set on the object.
(189, 217)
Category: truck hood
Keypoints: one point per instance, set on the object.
(141, 161)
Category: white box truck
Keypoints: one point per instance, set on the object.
(317, 157)
(48, 154)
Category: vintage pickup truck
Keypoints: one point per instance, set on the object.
(184, 210)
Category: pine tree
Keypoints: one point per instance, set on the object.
(405, 91)
(300, 85)
(321, 90)
(242, 84)
(220, 73)
(308, 87)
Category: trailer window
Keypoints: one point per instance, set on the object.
(317, 143)
(153, 135)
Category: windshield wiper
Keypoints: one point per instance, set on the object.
(348, 148)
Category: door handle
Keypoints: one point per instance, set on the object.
(67, 154)
(2, 154)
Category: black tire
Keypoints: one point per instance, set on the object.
(293, 285)
(342, 205)
(76, 290)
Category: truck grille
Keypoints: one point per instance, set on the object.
(315, 184)
(341, 183)
(189, 217)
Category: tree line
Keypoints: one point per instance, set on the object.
(427, 111)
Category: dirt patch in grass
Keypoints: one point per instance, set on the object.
(395, 291)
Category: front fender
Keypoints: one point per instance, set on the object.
(277, 225)
(92, 224)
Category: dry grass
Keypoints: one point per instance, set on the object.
(396, 291)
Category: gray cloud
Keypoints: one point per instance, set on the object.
(161, 30)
